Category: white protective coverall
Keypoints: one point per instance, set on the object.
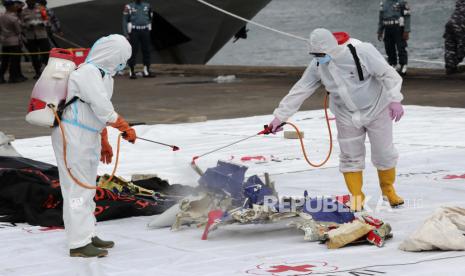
(361, 107)
(83, 121)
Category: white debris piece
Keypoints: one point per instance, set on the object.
(225, 79)
(6, 149)
(165, 219)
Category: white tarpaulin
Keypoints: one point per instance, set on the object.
(431, 173)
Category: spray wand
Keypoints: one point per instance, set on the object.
(175, 148)
(266, 130)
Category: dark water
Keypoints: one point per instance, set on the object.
(358, 17)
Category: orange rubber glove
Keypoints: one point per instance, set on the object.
(129, 134)
(106, 153)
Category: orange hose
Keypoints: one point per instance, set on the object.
(84, 185)
(330, 138)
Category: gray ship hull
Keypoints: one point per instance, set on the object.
(184, 31)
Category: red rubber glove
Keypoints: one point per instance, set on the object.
(106, 153)
(129, 134)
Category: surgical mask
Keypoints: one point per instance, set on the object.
(324, 59)
(120, 67)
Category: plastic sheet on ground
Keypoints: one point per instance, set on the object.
(431, 146)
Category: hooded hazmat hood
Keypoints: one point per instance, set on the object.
(323, 41)
(110, 53)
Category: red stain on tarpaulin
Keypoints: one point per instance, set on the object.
(51, 228)
(451, 176)
(250, 158)
(287, 268)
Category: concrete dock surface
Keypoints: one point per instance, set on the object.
(181, 92)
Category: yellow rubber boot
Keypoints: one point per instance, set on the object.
(386, 182)
(354, 182)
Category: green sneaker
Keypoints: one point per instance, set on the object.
(97, 242)
(88, 251)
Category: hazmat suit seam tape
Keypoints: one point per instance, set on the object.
(75, 121)
(91, 49)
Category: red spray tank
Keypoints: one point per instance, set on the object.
(80, 55)
(50, 89)
(341, 37)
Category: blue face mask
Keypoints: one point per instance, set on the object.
(120, 67)
(323, 60)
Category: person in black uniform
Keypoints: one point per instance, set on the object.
(137, 24)
(394, 28)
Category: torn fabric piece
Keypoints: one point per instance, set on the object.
(444, 230)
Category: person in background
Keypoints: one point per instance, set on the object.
(53, 25)
(35, 20)
(137, 24)
(21, 5)
(394, 28)
(365, 95)
(10, 34)
(455, 39)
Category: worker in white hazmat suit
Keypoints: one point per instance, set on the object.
(365, 97)
(90, 88)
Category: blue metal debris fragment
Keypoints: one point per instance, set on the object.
(328, 210)
(255, 191)
(228, 179)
